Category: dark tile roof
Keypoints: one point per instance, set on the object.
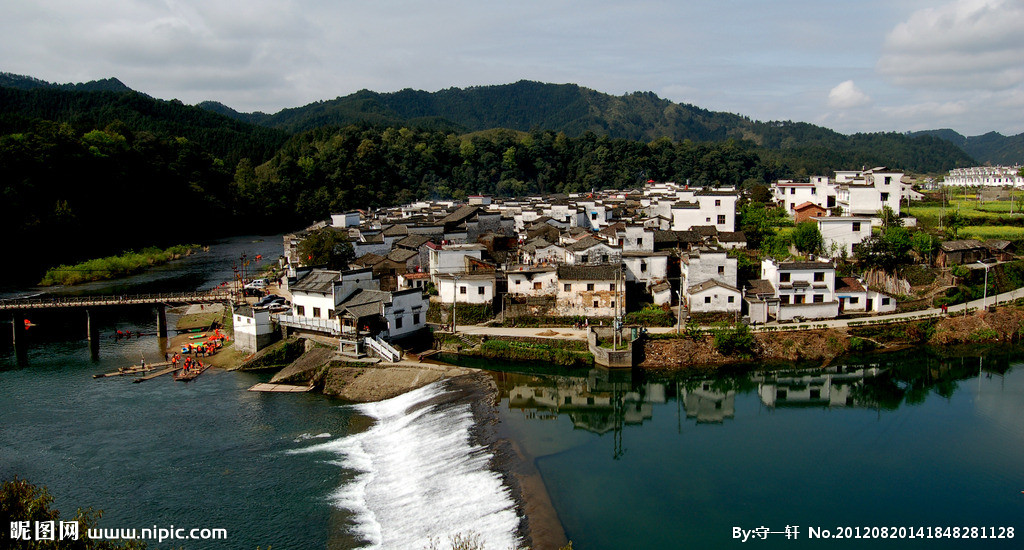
(587, 272)
(705, 230)
(732, 237)
(320, 281)
(848, 284)
(760, 287)
(965, 244)
(806, 265)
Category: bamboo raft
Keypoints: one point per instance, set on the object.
(134, 369)
(168, 370)
(191, 374)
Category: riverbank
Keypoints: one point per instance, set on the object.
(114, 267)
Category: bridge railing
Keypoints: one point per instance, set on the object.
(113, 299)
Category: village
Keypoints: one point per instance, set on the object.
(668, 250)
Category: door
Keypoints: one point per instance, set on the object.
(869, 308)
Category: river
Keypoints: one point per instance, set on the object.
(630, 460)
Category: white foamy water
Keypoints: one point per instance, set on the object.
(419, 479)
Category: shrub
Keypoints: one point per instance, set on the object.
(861, 345)
(737, 340)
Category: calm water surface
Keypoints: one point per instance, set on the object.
(631, 461)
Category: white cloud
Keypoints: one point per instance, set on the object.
(965, 44)
(847, 95)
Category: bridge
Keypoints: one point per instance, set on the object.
(173, 298)
(18, 307)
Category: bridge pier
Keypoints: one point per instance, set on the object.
(92, 332)
(161, 321)
(20, 343)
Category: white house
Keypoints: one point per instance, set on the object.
(713, 296)
(347, 219)
(706, 264)
(805, 290)
(864, 193)
(645, 267)
(591, 250)
(840, 233)
(317, 294)
(590, 290)
(532, 281)
(451, 258)
(466, 288)
(390, 314)
(252, 329)
(854, 297)
(717, 208)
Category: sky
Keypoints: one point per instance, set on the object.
(849, 65)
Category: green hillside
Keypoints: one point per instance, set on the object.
(991, 148)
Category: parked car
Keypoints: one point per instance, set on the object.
(257, 283)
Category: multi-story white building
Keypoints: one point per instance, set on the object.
(805, 290)
(997, 176)
(864, 193)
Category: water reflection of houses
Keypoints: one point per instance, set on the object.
(833, 387)
(707, 404)
(602, 402)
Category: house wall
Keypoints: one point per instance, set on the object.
(645, 268)
(449, 290)
(578, 300)
(827, 310)
(303, 305)
(411, 307)
(704, 267)
(719, 300)
(252, 334)
(524, 284)
(840, 231)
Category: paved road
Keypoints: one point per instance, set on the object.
(568, 333)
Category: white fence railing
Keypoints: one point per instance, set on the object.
(383, 349)
(330, 326)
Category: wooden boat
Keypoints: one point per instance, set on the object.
(192, 374)
(134, 369)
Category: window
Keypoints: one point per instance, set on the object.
(316, 312)
(707, 299)
(639, 241)
(732, 299)
(792, 190)
(398, 322)
(621, 241)
(854, 300)
(819, 298)
(888, 180)
(783, 277)
(300, 311)
(480, 290)
(593, 215)
(611, 287)
(595, 303)
(819, 276)
(537, 285)
(613, 303)
(814, 191)
(721, 219)
(248, 320)
(567, 400)
(718, 202)
(721, 270)
(856, 227)
(415, 318)
(885, 301)
(583, 259)
(590, 287)
(784, 299)
(517, 281)
(462, 289)
(885, 197)
(815, 394)
(567, 287)
(798, 299)
(708, 220)
(604, 258)
(330, 314)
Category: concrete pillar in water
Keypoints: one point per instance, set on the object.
(19, 339)
(161, 321)
(92, 332)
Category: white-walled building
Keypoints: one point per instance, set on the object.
(466, 288)
(713, 296)
(864, 193)
(840, 233)
(645, 267)
(451, 258)
(989, 176)
(532, 281)
(805, 290)
(252, 328)
(590, 290)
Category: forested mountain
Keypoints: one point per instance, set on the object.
(86, 173)
(639, 116)
(991, 148)
(222, 136)
(8, 80)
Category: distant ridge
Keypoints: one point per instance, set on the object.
(991, 148)
(20, 82)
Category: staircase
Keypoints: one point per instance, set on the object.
(382, 349)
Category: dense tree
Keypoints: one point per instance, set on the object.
(807, 238)
(326, 247)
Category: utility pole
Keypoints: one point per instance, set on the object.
(455, 298)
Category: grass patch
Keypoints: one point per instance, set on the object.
(982, 232)
(114, 267)
(528, 351)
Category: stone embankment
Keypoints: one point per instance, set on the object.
(375, 382)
